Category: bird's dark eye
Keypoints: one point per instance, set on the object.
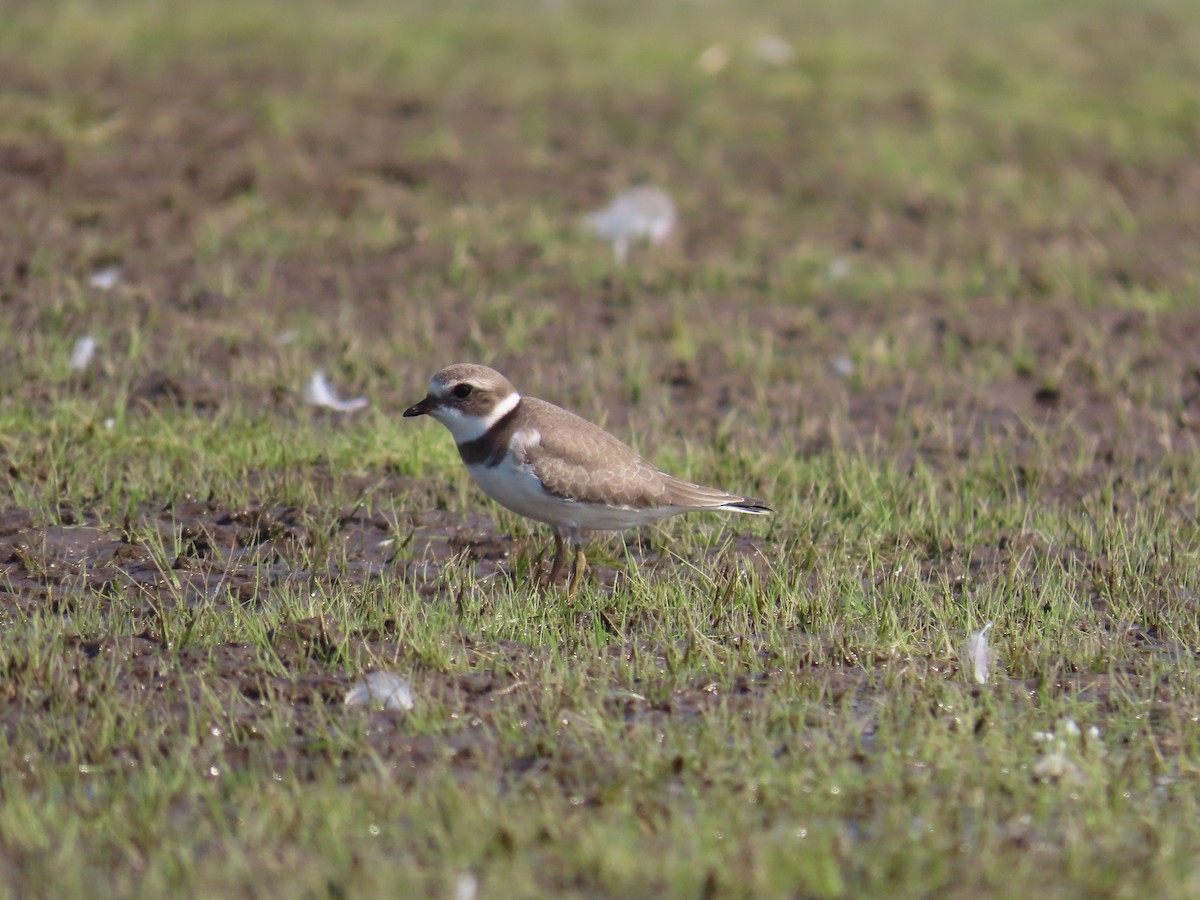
(461, 392)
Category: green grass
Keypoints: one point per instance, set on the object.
(934, 297)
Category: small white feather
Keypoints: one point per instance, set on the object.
(466, 887)
(843, 366)
(106, 279)
(646, 212)
(978, 656)
(320, 393)
(382, 689)
(82, 353)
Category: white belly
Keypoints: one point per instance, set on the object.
(515, 487)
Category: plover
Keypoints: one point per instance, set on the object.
(550, 465)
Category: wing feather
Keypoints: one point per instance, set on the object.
(579, 461)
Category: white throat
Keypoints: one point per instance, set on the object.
(466, 428)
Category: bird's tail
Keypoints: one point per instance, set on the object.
(748, 505)
(697, 496)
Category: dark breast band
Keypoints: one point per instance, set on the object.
(490, 448)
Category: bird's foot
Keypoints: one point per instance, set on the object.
(580, 567)
(558, 566)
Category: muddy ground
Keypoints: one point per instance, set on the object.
(1123, 383)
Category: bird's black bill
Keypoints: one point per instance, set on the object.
(419, 409)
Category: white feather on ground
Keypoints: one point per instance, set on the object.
(106, 279)
(320, 393)
(641, 213)
(381, 689)
(466, 887)
(978, 656)
(82, 353)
